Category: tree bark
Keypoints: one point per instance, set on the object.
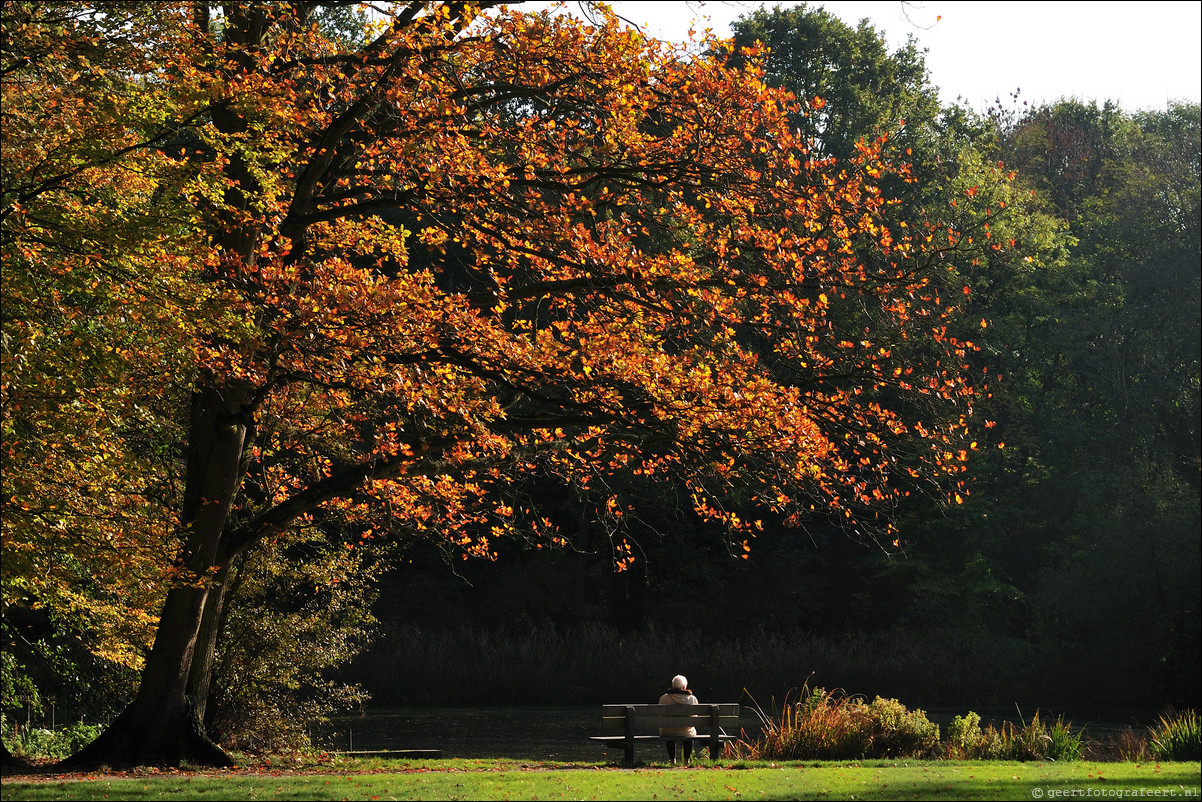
(201, 674)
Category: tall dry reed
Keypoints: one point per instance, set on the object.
(540, 664)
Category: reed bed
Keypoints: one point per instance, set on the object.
(539, 664)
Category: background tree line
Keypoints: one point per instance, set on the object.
(1068, 577)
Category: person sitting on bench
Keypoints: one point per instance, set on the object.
(679, 694)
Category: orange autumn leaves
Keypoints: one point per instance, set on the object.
(606, 246)
(481, 249)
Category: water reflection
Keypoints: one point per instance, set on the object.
(528, 733)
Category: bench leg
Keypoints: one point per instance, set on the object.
(628, 757)
(715, 734)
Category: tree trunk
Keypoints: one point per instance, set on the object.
(162, 726)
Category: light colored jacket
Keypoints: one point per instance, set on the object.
(677, 698)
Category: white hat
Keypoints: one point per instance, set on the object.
(679, 682)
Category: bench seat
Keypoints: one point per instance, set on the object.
(628, 724)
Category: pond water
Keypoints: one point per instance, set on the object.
(522, 733)
(525, 733)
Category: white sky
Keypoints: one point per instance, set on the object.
(1139, 54)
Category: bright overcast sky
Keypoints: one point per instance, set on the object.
(1140, 54)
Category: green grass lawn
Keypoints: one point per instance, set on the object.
(506, 779)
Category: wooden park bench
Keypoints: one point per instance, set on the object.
(643, 722)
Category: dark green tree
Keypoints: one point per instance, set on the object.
(1118, 418)
(865, 89)
(1086, 521)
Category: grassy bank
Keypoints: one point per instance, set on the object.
(459, 779)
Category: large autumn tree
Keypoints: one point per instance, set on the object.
(475, 246)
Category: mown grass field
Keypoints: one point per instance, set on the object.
(504, 779)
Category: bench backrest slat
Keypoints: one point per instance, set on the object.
(700, 715)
